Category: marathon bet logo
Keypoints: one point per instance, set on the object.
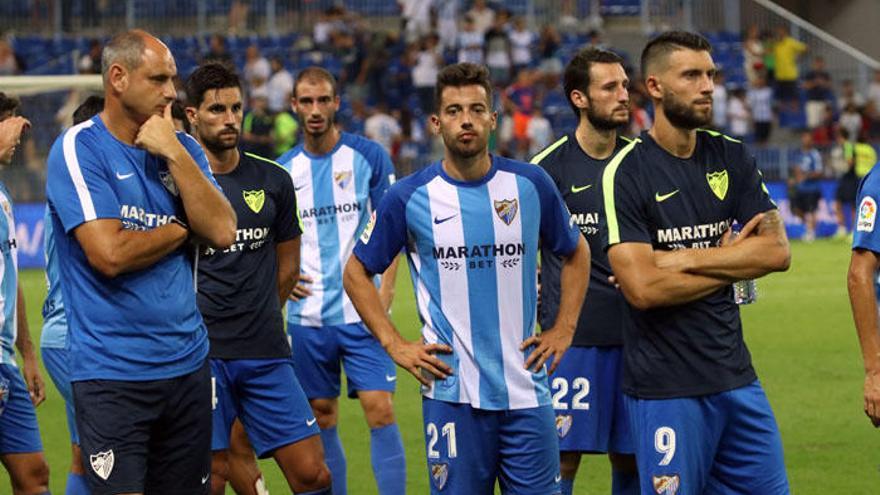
(718, 182)
(102, 463)
(254, 199)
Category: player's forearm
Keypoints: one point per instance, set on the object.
(288, 258)
(661, 288)
(209, 214)
(860, 284)
(23, 336)
(359, 286)
(126, 250)
(389, 279)
(574, 279)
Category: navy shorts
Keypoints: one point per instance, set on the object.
(58, 366)
(150, 436)
(317, 352)
(588, 401)
(266, 396)
(468, 449)
(19, 433)
(725, 443)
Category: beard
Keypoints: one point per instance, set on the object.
(603, 122)
(682, 115)
(216, 144)
(465, 151)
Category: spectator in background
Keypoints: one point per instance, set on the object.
(871, 122)
(10, 64)
(279, 87)
(447, 23)
(416, 17)
(382, 127)
(768, 41)
(482, 15)
(848, 94)
(548, 46)
(786, 51)
(498, 49)
(520, 98)
(90, 62)
(753, 51)
(470, 42)
(238, 16)
(851, 120)
(217, 51)
(639, 120)
(874, 89)
(823, 134)
(739, 116)
(719, 103)
(429, 60)
(256, 72)
(333, 19)
(539, 132)
(819, 93)
(284, 129)
(178, 116)
(257, 126)
(760, 99)
(858, 159)
(806, 182)
(521, 41)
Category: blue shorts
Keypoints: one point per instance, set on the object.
(265, 394)
(317, 352)
(468, 449)
(19, 433)
(590, 416)
(146, 437)
(725, 443)
(58, 366)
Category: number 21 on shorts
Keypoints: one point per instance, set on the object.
(448, 432)
(664, 443)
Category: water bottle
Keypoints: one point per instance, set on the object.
(744, 291)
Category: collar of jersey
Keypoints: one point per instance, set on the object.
(325, 155)
(474, 183)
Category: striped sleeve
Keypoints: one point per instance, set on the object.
(624, 219)
(77, 182)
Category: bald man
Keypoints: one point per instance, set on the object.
(125, 191)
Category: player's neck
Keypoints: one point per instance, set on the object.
(120, 123)
(222, 161)
(679, 142)
(467, 169)
(322, 144)
(596, 143)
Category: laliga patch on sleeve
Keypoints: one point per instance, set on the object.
(867, 215)
(368, 230)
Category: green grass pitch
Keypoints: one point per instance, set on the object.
(804, 347)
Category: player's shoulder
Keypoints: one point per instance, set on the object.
(84, 137)
(404, 188)
(287, 157)
(629, 156)
(718, 143)
(550, 156)
(371, 150)
(263, 164)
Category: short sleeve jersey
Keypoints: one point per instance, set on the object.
(472, 249)
(8, 279)
(653, 197)
(866, 235)
(238, 286)
(576, 176)
(54, 335)
(143, 324)
(335, 193)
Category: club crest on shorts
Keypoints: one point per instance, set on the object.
(342, 178)
(506, 210)
(4, 394)
(254, 199)
(867, 215)
(718, 182)
(563, 424)
(666, 484)
(439, 474)
(102, 463)
(168, 181)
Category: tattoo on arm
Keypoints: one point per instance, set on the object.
(772, 223)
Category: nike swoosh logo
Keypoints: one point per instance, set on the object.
(390, 378)
(575, 190)
(310, 422)
(438, 221)
(558, 478)
(205, 478)
(123, 176)
(297, 188)
(663, 197)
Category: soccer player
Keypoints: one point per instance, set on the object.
(861, 280)
(586, 387)
(125, 192)
(700, 420)
(21, 450)
(53, 341)
(339, 178)
(240, 292)
(470, 225)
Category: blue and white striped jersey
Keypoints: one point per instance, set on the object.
(335, 194)
(8, 279)
(54, 322)
(472, 249)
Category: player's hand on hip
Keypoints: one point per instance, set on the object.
(417, 357)
(11, 130)
(548, 344)
(301, 289)
(872, 397)
(34, 381)
(156, 135)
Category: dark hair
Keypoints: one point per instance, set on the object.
(8, 105)
(577, 72)
(92, 106)
(315, 74)
(178, 113)
(462, 74)
(668, 42)
(209, 76)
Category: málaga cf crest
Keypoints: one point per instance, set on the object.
(563, 424)
(439, 474)
(342, 178)
(666, 484)
(718, 181)
(506, 210)
(254, 199)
